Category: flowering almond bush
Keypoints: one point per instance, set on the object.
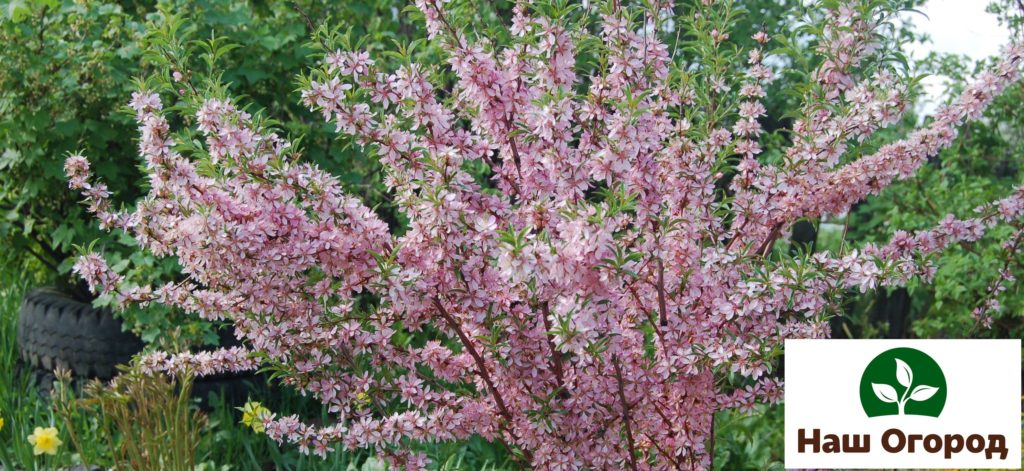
(587, 274)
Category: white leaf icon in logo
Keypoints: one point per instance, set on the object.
(923, 393)
(903, 373)
(885, 392)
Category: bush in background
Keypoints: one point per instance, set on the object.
(68, 66)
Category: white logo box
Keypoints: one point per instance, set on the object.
(822, 391)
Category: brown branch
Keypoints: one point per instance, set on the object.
(512, 143)
(736, 236)
(448, 26)
(625, 414)
(770, 240)
(662, 310)
(42, 259)
(302, 13)
(480, 365)
(647, 312)
(663, 452)
(993, 289)
(712, 440)
(482, 371)
(556, 357)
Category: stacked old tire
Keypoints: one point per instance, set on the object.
(58, 331)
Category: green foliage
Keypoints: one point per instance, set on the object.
(69, 68)
(749, 441)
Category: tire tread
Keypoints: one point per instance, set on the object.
(56, 330)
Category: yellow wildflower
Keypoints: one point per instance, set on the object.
(44, 440)
(362, 399)
(1, 423)
(253, 414)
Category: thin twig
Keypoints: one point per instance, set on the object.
(625, 414)
(482, 371)
(556, 357)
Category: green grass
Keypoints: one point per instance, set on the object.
(19, 405)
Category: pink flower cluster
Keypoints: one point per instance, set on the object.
(94, 270)
(591, 301)
(224, 360)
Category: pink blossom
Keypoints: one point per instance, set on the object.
(94, 270)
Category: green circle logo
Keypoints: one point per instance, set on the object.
(903, 381)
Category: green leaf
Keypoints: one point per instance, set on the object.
(16, 10)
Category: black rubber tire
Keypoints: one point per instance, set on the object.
(56, 330)
(233, 389)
